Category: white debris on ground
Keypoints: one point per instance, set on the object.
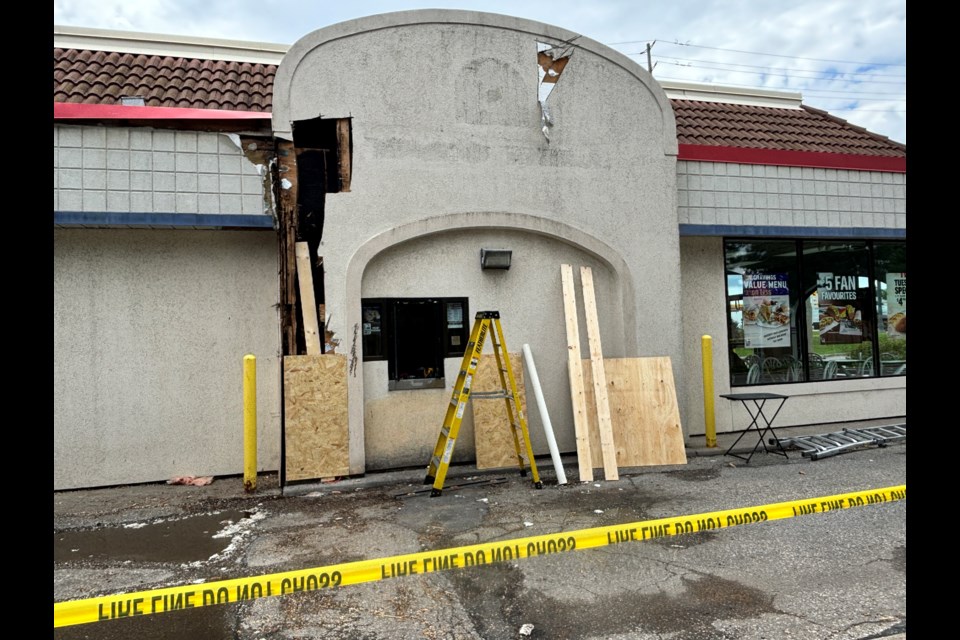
(526, 629)
(528, 524)
(598, 510)
(135, 525)
(238, 531)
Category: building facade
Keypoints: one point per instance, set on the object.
(403, 146)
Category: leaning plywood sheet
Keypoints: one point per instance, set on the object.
(315, 416)
(643, 410)
(492, 426)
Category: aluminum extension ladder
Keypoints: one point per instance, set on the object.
(487, 323)
(830, 444)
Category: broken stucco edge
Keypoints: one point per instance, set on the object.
(559, 56)
(260, 152)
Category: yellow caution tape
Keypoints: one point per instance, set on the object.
(155, 601)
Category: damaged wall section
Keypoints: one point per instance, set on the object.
(551, 61)
(317, 162)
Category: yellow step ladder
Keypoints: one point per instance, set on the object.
(486, 323)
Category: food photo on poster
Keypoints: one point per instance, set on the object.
(897, 304)
(841, 312)
(766, 310)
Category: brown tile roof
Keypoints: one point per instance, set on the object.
(806, 129)
(101, 77)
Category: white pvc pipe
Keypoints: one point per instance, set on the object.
(544, 416)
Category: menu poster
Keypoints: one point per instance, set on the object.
(837, 296)
(897, 304)
(766, 310)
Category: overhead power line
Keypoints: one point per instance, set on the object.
(829, 75)
(850, 91)
(760, 53)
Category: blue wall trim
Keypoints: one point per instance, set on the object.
(795, 232)
(162, 220)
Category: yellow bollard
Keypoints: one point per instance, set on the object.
(249, 423)
(706, 347)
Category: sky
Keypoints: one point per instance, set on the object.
(847, 57)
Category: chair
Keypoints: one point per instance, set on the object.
(866, 367)
(751, 359)
(794, 369)
(830, 370)
(772, 368)
(889, 369)
(753, 374)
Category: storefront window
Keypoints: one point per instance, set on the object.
(839, 302)
(891, 287)
(810, 310)
(762, 295)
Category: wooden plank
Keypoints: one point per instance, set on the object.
(308, 301)
(575, 373)
(604, 425)
(343, 144)
(316, 433)
(492, 426)
(644, 412)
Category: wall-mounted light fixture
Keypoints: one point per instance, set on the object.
(495, 258)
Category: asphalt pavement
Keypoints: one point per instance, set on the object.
(839, 574)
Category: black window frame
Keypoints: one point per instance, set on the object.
(448, 335)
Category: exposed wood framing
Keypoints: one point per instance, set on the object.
(575, 372)
(344, 144)
(599, 377)
(287, 216)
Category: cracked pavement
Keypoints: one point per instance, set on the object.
(839, 575)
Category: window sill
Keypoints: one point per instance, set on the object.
(416, 383)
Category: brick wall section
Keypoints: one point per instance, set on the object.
(715, 193)
(143, 170)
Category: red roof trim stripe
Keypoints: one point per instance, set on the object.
(79, 111)
(778, 157)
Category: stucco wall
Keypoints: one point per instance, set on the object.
(150, 330)
(704, 304)
(401, 427)
(447, 133)
(144, 170)
(723, 193)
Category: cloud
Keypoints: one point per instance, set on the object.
(845, 57)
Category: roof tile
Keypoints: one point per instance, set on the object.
(84, 76)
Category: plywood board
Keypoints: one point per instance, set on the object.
(644, 412)
(604, 426)
(575, 374)
(308, 300)
(492, 425)
(315, 426)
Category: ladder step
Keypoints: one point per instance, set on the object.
(486, 326)
(492, 394)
